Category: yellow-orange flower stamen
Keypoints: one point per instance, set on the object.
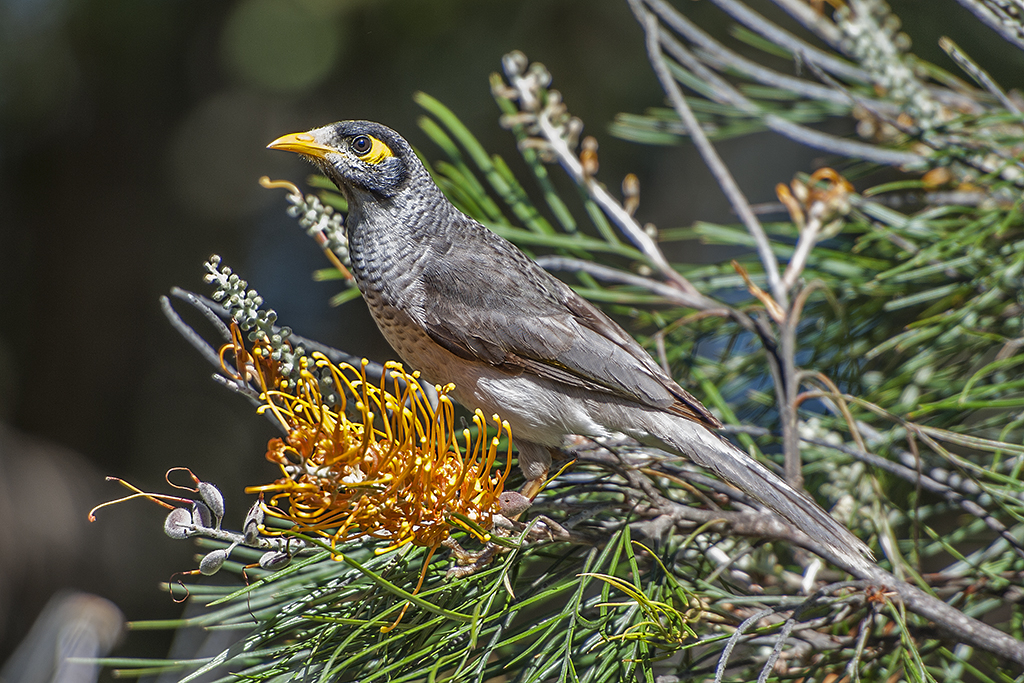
(396, 470)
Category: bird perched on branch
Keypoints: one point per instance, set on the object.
(463, 305)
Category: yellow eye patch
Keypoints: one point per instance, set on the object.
(377, 153)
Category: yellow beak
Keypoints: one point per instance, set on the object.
(301, 143)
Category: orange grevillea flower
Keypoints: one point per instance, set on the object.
(381, 461)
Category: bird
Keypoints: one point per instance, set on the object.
(465, 306)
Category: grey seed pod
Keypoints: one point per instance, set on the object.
(253, 520)
(213, 561)
(214, 500)
(513, 503)
(201, 515)
(178, 523)
(275, 559)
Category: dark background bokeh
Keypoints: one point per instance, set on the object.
(132, 133)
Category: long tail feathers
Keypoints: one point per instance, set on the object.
(736, 467)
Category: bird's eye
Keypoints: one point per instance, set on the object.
(361, 144)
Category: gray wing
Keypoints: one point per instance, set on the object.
(526, 320)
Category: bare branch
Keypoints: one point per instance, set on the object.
(714, 52)
(998, 19)
(205, 349)
(714, 162)
(611, 206)
(800, 48)
(808, 237)
(813, 21)
(609, 274)
(841, 146)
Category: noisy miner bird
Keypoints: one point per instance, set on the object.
(463, 305)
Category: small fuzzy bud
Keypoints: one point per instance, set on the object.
(514, 63)
(213, 561)
(178, 523)
(214, 500)
(201, 515)
(573, 130)
(539, 73)
(253, 520)
(275, 559)
(630, 193)
(588, 156)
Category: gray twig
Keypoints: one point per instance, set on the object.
(841, 146)
(734, 639)
(813, 21)
(205, 349)
(806, 52)
(808, 238)
(852, 668)
(998, 19)
(609, 274)
(722, 57)
(629, 225)
(714, 162)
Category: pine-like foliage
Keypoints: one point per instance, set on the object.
(880, 364)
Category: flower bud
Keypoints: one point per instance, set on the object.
(213, 561)
(178, 523)
(275, 559)
(214, 500)
(201, 515)
(253, 520)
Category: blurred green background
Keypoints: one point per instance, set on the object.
(132, 133)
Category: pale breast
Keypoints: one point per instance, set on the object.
(538, 410)
(417, 350)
